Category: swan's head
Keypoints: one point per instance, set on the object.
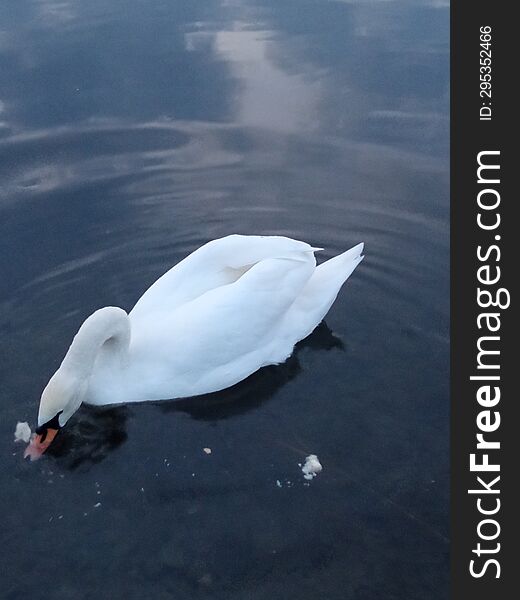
(60, 399)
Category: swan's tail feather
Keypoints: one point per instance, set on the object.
(340, 267)
(321, 290)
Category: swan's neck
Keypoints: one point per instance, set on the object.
(107, 330)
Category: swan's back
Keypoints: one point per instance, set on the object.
(217, 263)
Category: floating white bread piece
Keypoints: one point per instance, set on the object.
(311, 467)
(22, 433)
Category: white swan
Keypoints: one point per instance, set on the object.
(234, 305)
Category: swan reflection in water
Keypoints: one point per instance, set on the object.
(95, 432)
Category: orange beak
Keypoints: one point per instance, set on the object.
(40, 443)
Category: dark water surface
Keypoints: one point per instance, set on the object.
(133, 131)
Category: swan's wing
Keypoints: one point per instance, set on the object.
(217, 263)
(223, 335)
